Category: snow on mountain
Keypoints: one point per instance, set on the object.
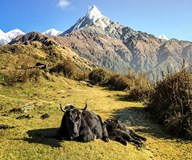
(14, 33)
(93, 17)
(5, 38)
(163, 36)
(1, 32)
(2, 35)
(52, 32)
(3, 42)
(93, 13)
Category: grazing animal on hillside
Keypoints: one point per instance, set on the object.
(118, 131)
(81, 125)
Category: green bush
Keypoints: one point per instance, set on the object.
(99, 76)
(12, 76)
(171, 103)
(139, 94)
(118, 82)
(141, 87)
(63, 68)
(69, 70)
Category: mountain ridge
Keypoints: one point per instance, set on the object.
(109, 44)
(135, 49)
(35, 47)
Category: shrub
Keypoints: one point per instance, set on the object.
(141, 87)
(69, 70)
(118, 82)
(139, 83)
(171, 103)
(81, 75)
(62, 68)
(99, 76)
(12, 75)
(132, 77)
(139, 94)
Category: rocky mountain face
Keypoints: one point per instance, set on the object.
(117, 47)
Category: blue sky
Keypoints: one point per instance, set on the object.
(170, 17)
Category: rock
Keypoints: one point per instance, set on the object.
(16, 110)
(45, 116)
(5, 126)
(28, 116)
(28, 108)
(5, 114)
(22, 109)
(86, 83)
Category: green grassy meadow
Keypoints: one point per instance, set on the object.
(32, 139)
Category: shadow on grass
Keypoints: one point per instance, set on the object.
(140, 118)
(43, 136)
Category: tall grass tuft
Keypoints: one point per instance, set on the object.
(171, 103)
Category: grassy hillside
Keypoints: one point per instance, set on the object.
(24, 56)
(32, 138)
(19, 62)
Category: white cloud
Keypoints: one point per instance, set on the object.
(63, 3)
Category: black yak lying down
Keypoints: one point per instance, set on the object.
(118, 131)
(81, 125)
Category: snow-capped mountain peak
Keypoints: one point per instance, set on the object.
(92, 17)
(93, 13)
(14, 33)
(163, 36)
(1, 32)
(7, 37)
(52, 32)
(2, 35)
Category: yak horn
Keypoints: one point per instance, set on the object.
(85, 106)
(61, 107)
